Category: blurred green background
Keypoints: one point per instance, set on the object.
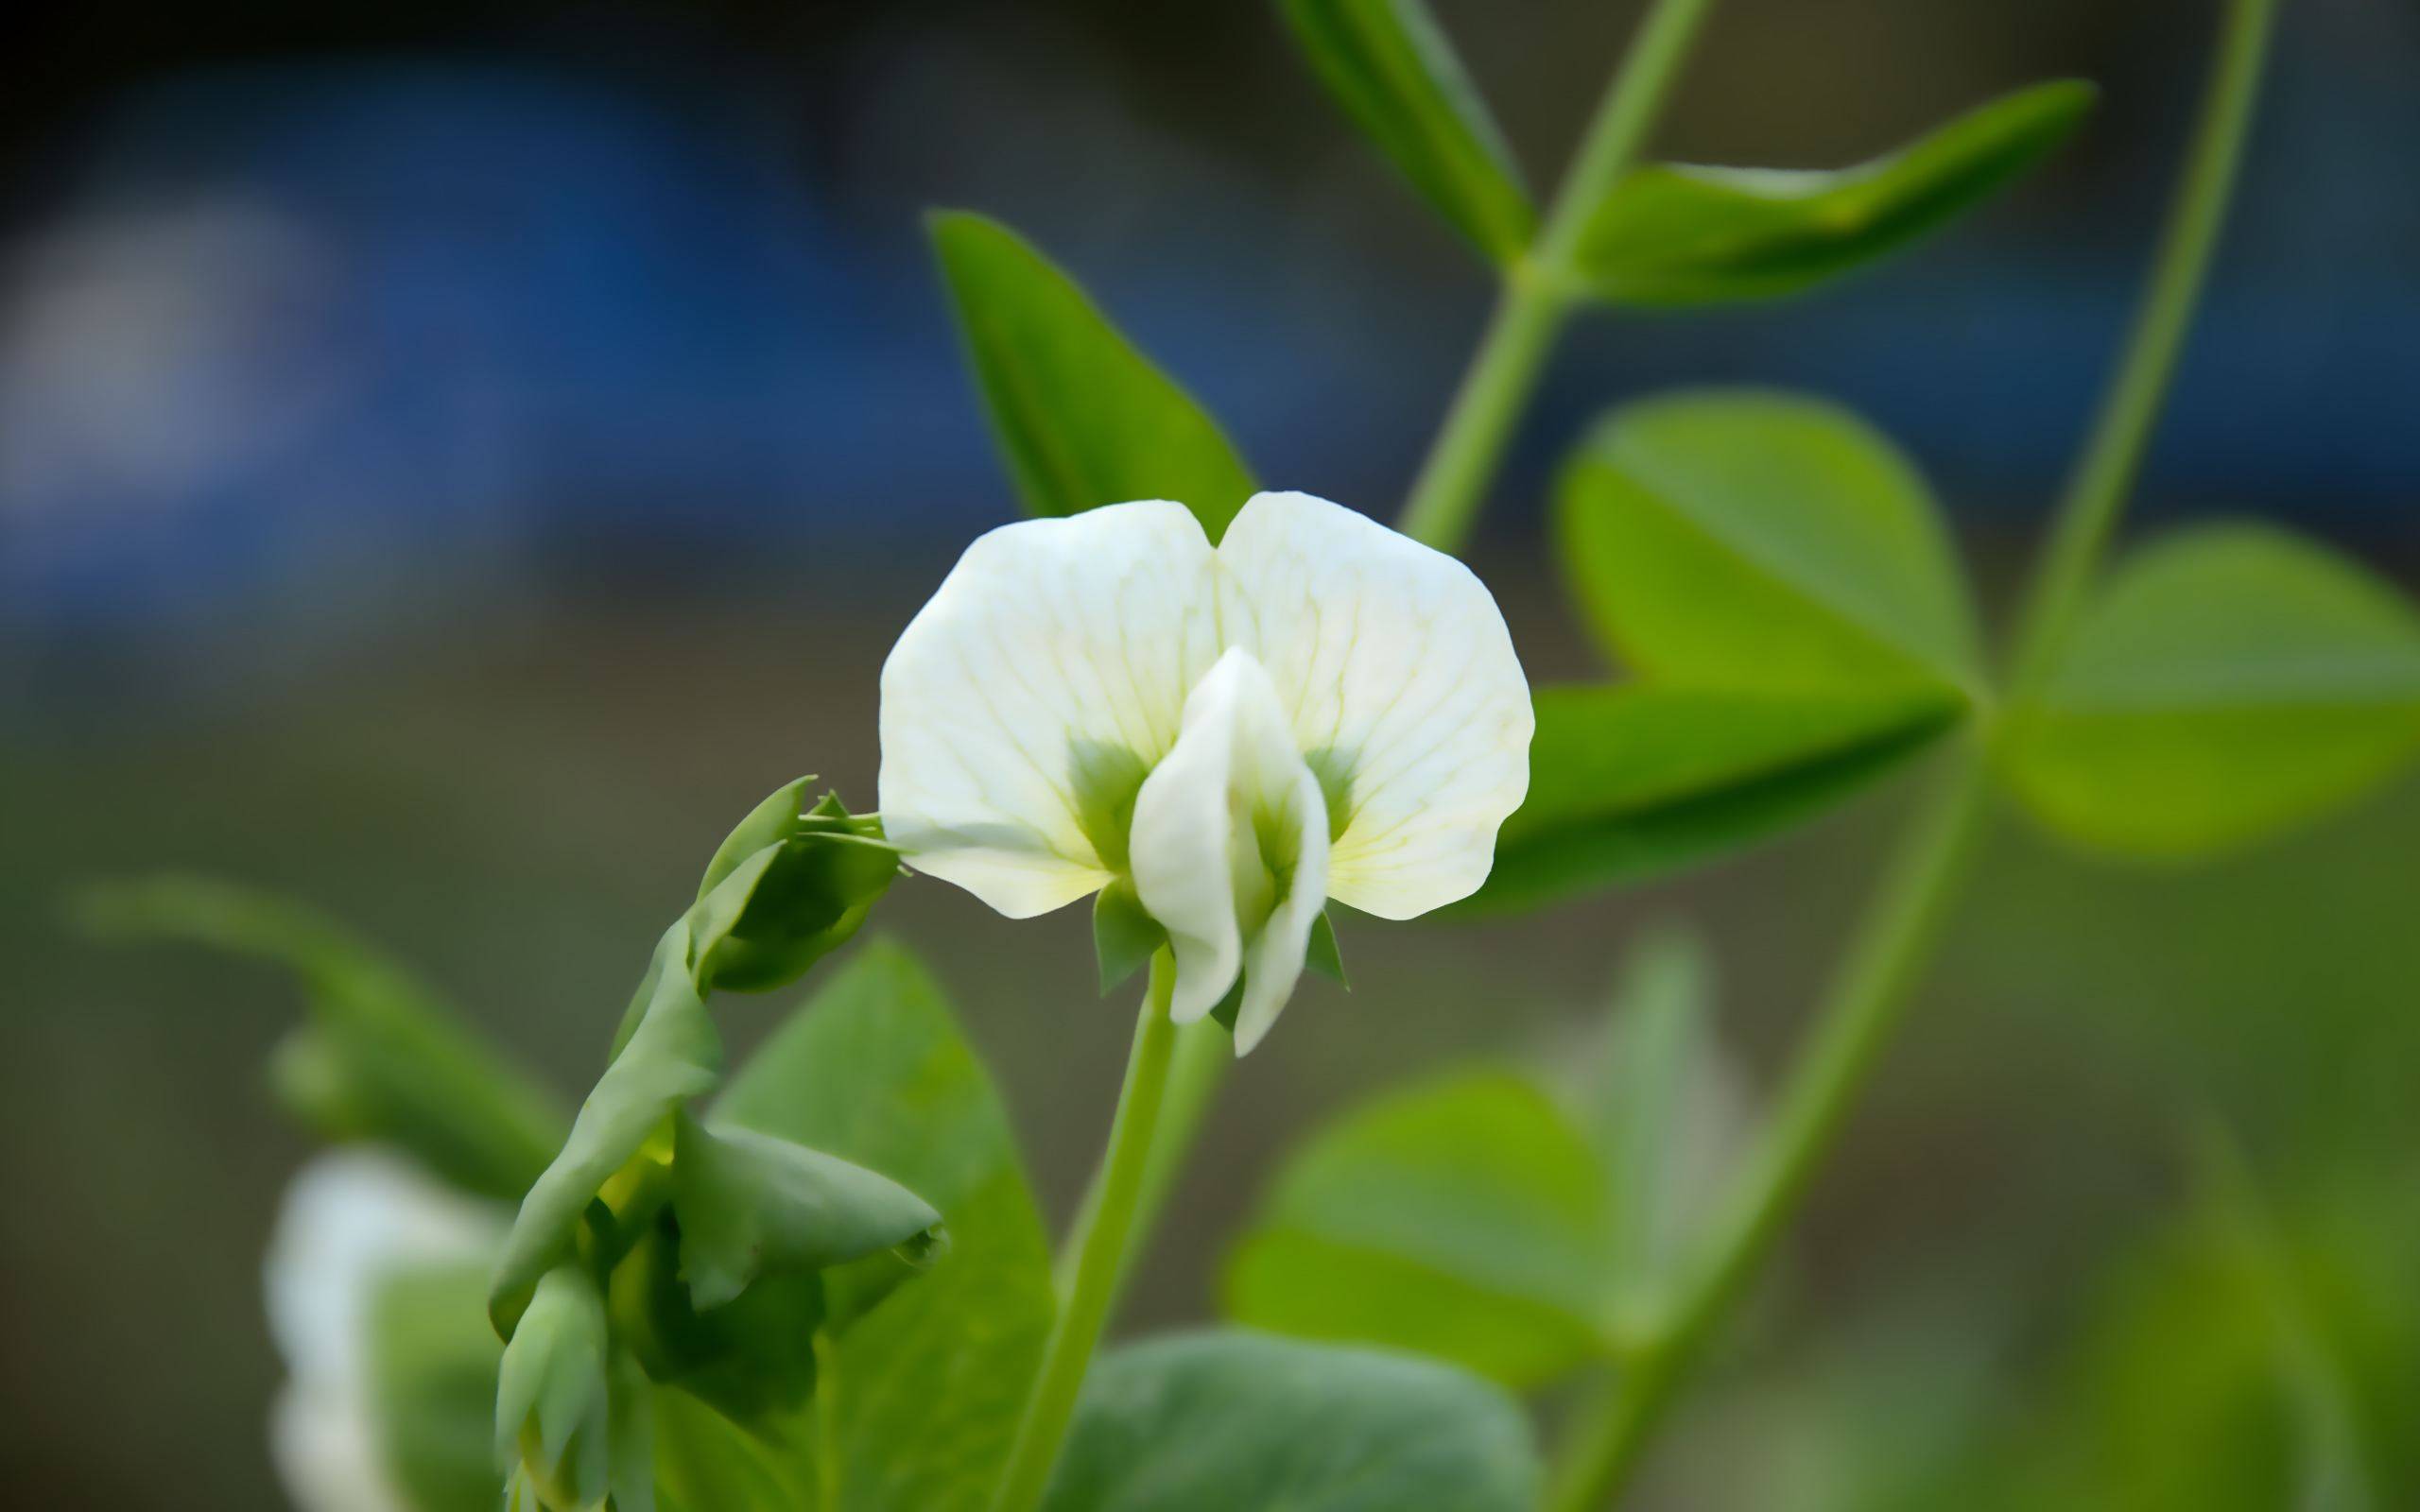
(453, 459)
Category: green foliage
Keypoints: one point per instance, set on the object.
(432, 1362)
(1763, 542)
(1635, 780)
(380, 1058)
(1463, 1216)
(1395, 74)
(1081, 418)
(918, 1395)
(789, 885)
(1124, 933)
(1213, 1422)
(1471, 1217)
(2226, 684)
(553, 1414)
(1680, 235)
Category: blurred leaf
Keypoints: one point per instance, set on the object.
(1082, 418)
(1657, 1113)
(1395, 74)
(752, 1203)
(380, 1059)
(921, 1394)
(1217, 1422)
(1763, 542)
(1633, 780)
(1464, 1217)
(1684, 234)
(2228, 683)
(432, 1368)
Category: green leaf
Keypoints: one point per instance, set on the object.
(432, 1364)
(1659, 1114)
(1464, 1217)
(1082, 418)
(380, 1058)
(2227, 684)
(751, 1203)
(1636, 781)
(1393, 71)
(1217, 1422)
(832, 868)
(751, 1358)
(553, 1408)
(1763, 542)
(920, 1396)
(1680, 235)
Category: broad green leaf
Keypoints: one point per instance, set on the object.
(920, 1396)
(1763, 542)
(1393, 71)
(1676, 235)
(1082, 418)
(1638, 780)
(1223, 1421)
(432, 1362)
(1464, 1217)
(2227, 684)
(380, 1057)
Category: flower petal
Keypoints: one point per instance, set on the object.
(1398, 675)
(1024, 703)
(1230, 849)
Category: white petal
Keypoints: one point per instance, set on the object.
(1052, 644)
(348, 1218)
(1229, 849)
(1398, 676)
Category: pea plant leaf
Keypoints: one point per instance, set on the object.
(1749, 540)
(1684, 234)
(1215, 1422)
(2226, 684)
(1636, 780)
(379, 1055)
(1464, 1217)
(1391, 68)
(918, 1394)
(1081, 418)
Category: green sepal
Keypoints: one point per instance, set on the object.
(553, 1411)
(830, 870)
(1325, 955)
(750, 1204)
(1124, 934)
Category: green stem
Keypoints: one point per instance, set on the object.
(1891, 946)
(2096, 495)
(1204, 1050)
(1100, 1253)
(1530, 312)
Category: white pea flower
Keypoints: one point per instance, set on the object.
(1315, 707)
(349, 1219)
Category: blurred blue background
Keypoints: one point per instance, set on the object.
(455, 458)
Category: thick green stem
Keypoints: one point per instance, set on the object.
(1446, 498)
(1100, 1253)
(1892, 947)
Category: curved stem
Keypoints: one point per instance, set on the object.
(1100, 1253)
(1446, 498)
(1891, 948)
